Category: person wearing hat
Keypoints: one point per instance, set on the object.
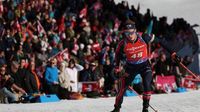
(133, 50)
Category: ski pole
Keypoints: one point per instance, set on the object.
(189, 71)
(141, 98)
(174, 56)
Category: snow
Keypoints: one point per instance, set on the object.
(173, 102)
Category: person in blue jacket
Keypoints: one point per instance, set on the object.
(51, 77)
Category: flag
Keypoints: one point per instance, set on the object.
(97, 6)
(61, 56)
(61, 24)
(40, 28)
(83, 12)
(1, 9)
(18, 26)
(96, 47)
(108, 39)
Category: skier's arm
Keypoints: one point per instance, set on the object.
(151, 37)
(148, 37)
(167, 47)
(118, 56)
(118, 53)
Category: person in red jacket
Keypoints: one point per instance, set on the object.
(132, 49)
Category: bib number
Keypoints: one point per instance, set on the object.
(137, 55)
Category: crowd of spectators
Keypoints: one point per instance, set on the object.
(34, 32)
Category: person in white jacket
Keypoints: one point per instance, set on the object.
(73, 70)
(64, 78)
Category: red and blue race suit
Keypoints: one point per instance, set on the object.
(136, 58)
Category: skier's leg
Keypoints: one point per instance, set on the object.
(125, 82)
(147, 78)
(119, 97)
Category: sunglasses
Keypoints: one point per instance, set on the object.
(130, 26)
(127, 33)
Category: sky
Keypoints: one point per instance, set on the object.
(188, 9)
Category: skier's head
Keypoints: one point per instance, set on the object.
(130, 30)
(129, 25)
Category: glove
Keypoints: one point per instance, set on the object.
(152, 37)
(175, 57)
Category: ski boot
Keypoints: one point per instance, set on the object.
(145, 110)
(145, 105)
(116, 110)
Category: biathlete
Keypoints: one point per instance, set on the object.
(133, 48)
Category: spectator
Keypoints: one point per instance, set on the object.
(73, 70)
(9, 43)
(14, 72)
(33, 78)
(80, 53)
(51, 77)
(109, 80)
(175, 70)
(112, 55)
(162, 67)
(2, 58)
(9, 40)
(95, 74)
(23, 78)
(41, 58)
(187, 60)
(64, 82)
(85, 73)
(104, 54)
(7, 84)
(18, 54)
